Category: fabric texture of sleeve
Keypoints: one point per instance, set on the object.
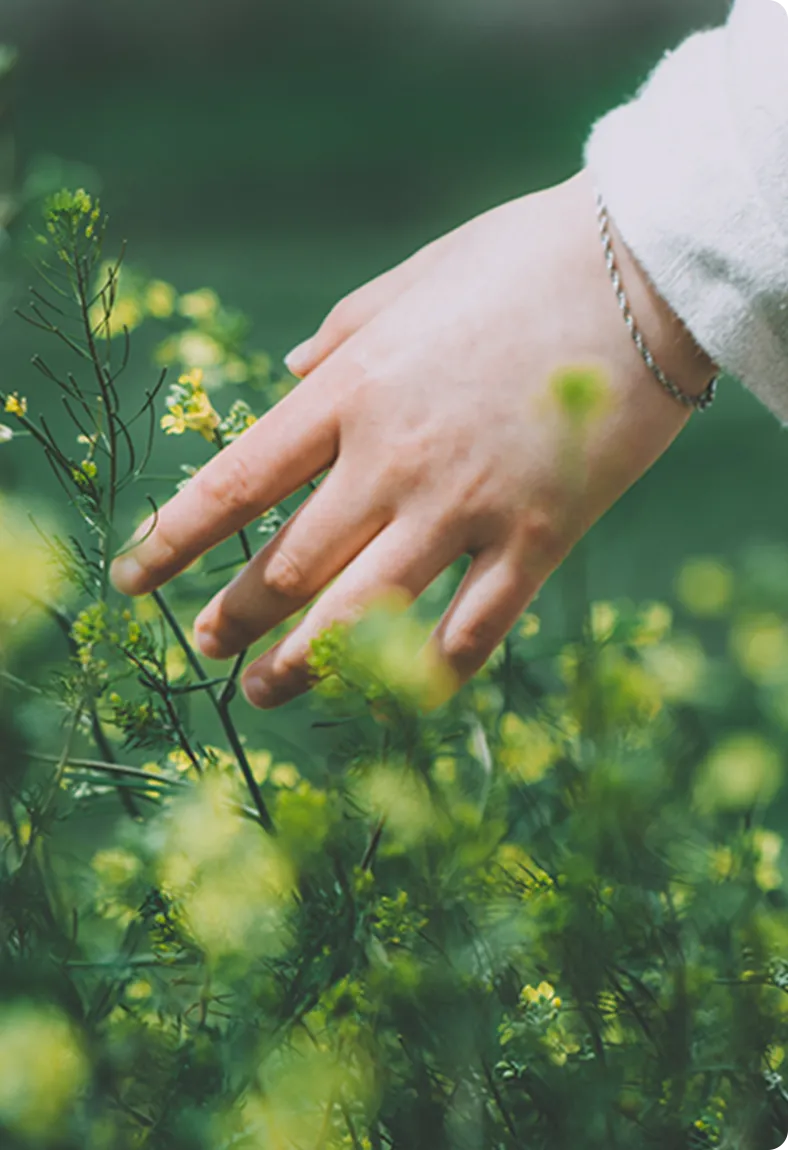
(694, 172)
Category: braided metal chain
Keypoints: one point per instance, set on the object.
(696, 402)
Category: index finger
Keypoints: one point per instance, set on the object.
(288, 446)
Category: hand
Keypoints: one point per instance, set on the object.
(427, 393)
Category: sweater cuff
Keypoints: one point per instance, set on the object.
(673, 174)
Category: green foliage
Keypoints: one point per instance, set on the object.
(546, 911)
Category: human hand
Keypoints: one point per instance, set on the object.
(427, 393)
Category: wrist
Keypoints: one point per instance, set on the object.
(672, 344)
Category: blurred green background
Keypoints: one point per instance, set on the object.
(283, 153)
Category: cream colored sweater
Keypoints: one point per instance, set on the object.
(694, 171)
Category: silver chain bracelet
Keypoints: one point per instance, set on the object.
(696, 402)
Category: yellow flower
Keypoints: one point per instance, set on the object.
(544, 992)
(194, 414)
(16, 405)
(193, 378)
(180, 760)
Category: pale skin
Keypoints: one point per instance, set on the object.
(426, 395)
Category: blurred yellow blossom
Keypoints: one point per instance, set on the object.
(43, 1069)
(198, 348)
(398, 795)
(759, 644)
(528, 750)
(139, 990)
(175, 662)
(234, 884)
(444, 769)
(768, 845)
(705, 587)
(199, 305)
(29, 576)
(679, 665)
(116, 866)
(653, 625)
(180, 760)
(160, 299)
(284, 775)
(721, 863)
(530, 625)
(602, 620)
(741, 770)
(260, 762)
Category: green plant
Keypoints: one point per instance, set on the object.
(545, 913)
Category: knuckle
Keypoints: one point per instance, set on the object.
(283, 576)
(469, 645)
(230, 489)
(542, 534)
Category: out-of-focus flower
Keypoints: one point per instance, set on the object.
(602, 620)
(768, 845)
(43, 1069)
(530, 625)
(653, 625)
(679, 665)
(705, 587)
(27, 574)
(233, 883)
(741, 770)
(528, 750)
(759, 644)
(199, 305)
(160, 299)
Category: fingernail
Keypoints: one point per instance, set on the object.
(127, 574)
(297, 361)
(206, 640)
(260, 692)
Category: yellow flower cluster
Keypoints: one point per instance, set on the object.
(16, 405)
(544, 992)
(191, 409)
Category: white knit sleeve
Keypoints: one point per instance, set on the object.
(694, 172)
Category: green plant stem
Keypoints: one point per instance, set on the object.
(111, 769)
(222, 707)
(60, 767)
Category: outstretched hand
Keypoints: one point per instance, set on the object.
(427, 394)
